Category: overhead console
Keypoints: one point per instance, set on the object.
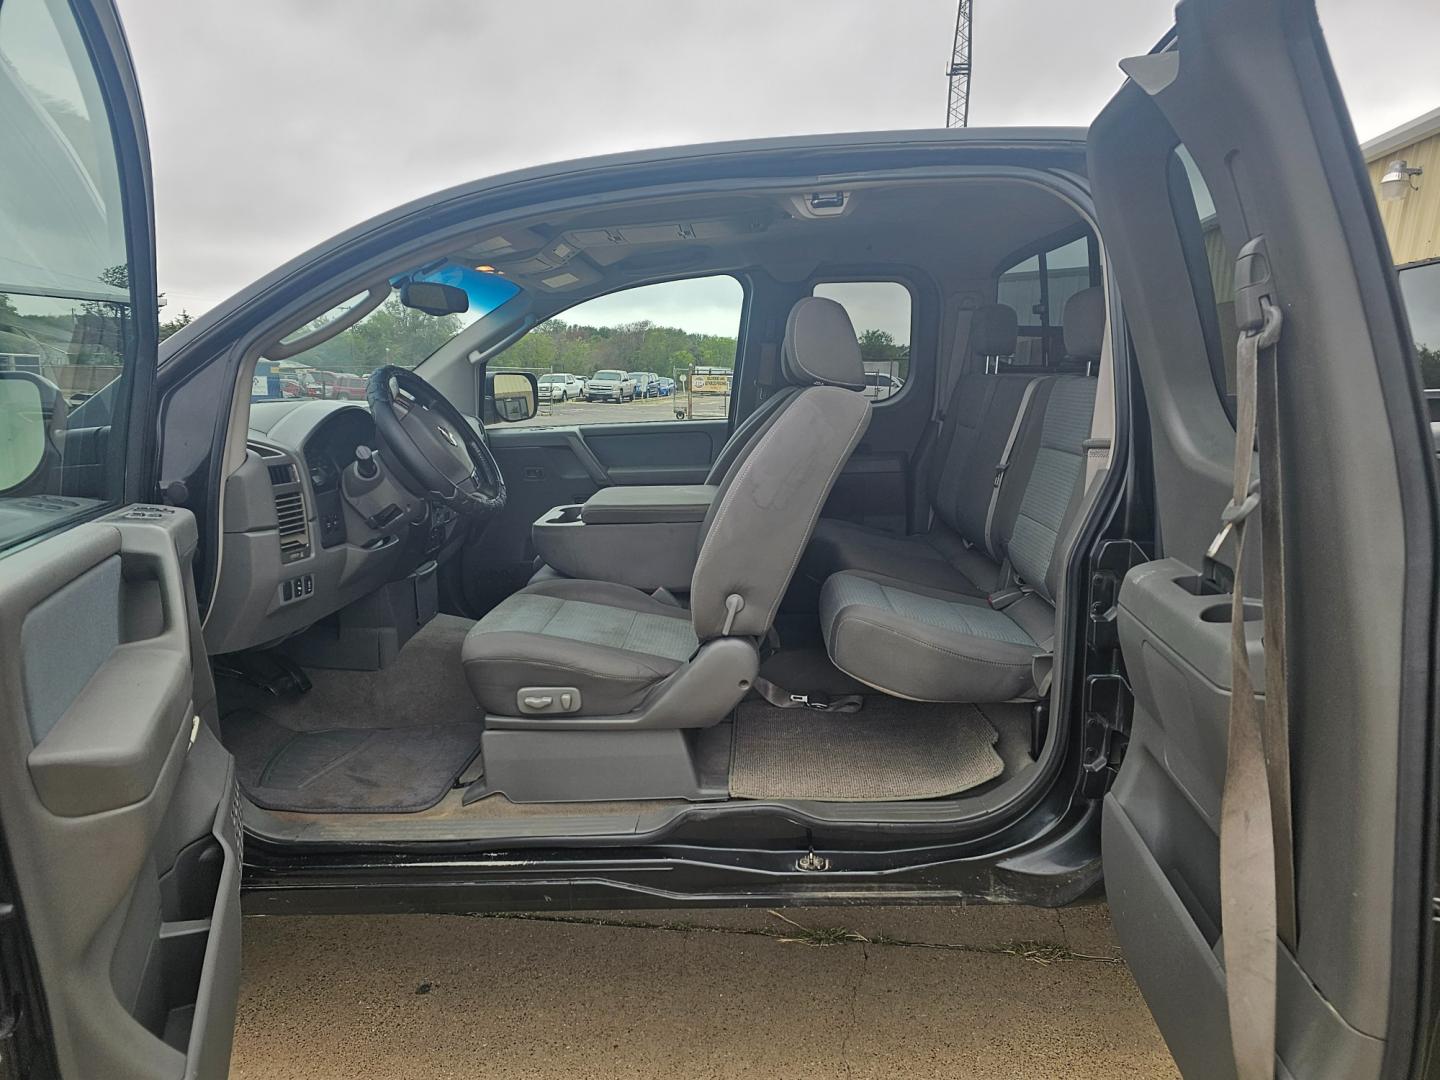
(644, 536)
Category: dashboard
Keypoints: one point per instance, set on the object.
(314, 520)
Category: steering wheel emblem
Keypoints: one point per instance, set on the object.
(446, 435)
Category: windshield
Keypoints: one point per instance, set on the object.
(607, 376)
(552, 378)
(391, 334)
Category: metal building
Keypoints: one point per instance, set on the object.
(1410, 201)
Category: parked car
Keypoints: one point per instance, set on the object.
(647, 383)
(666, 384)
(610, 385)
(560, 387)
(1037, 684)
(334, 385)
(292, 388)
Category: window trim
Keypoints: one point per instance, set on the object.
(892, 278)
(1198, 270)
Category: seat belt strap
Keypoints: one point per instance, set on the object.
(785, 699)
(1003, 464)
(1253, 818)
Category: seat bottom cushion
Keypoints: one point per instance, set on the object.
(938, 559)
(923, 643)
(611, 642)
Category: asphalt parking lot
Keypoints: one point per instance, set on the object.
(809, 993)
(639, 411)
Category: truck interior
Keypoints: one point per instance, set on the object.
(822, 603)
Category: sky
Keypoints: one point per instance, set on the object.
(275, 124)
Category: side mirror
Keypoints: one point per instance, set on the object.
(30, 408)
(433, 298)
(510, 396)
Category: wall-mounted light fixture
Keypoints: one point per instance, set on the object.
(1396, 182)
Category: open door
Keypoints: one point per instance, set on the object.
(119, 889)
(1239, 223)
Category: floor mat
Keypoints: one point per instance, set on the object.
(347, 770)
(890, 749)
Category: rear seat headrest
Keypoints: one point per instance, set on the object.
(993, 330)
(820, 346)
(1085, 324)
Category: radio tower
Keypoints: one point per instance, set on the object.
(958, 113)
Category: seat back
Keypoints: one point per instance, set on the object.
(747, 435)
(1043, 487)
(767, 505)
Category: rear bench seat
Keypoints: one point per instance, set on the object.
(967, 622)
(955, 553)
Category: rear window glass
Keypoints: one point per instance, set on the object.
(1211, 267)
(1038, 286)
(1420, 288)
(881, 312)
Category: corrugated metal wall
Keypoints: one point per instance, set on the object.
(1412, 223)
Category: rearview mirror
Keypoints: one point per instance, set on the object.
(510, 396)
(434, 298)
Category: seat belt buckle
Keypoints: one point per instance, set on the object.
(811, 701)
(999, 601)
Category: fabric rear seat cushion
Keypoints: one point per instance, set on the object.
(938, 558)
(931, 644)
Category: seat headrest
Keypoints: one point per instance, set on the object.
(820, 346)
(1085, 324)
(993, 330)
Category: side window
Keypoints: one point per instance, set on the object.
(882, 313)
(651, 353)
(68, 333)
(1211, 268)
(1037, 287)
(1420, 288)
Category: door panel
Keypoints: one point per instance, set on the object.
(549, 467)
(135, 923)
(1251, 99)
(872, 489)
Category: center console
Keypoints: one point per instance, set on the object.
(645, 536)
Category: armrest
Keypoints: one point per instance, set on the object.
(644, 504)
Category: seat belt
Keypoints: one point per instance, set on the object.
(1257, 876)
(785, 699)
(1003, 464)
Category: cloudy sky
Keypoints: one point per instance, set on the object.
(275, 124)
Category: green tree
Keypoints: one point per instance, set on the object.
(1429, 366)
(178, 323)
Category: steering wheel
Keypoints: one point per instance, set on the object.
(433, 443)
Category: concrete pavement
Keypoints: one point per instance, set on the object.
(854, 993)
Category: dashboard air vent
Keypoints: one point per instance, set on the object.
(294, 535)
(291, 521)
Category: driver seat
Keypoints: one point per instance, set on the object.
(566, 654)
